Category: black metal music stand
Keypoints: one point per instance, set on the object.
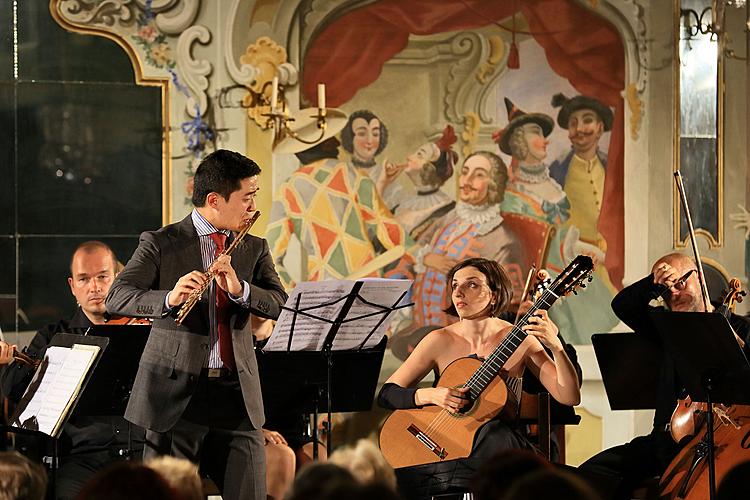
(109, 390)
(710, 363)
(355, 372)
(316, 382)
(627, 361)
(61, 340)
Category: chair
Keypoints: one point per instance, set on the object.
(533, 235)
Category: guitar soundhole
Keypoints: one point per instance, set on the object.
(466, 409)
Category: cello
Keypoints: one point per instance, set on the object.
(693, 472)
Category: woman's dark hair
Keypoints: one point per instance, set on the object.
(347, 134)
(497, 280)
(221, 172)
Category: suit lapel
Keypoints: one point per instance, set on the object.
(242, 259)
(187, 247)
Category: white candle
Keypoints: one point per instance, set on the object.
(274, 93)
(321, 96)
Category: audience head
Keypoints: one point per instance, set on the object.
(127, 481)
(495, 476)
(182, 475)
(538, 484)
(366, 463)
(20, 478)
(319, 479)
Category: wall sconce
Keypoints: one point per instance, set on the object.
(312, 121)
(280, 120)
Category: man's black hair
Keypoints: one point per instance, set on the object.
(221, 172)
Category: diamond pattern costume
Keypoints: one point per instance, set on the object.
(338, 217)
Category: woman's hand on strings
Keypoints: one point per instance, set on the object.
(543, 328)
(447, 398)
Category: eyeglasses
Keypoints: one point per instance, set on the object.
(681, 283)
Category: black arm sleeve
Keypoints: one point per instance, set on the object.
(631, 304)
(395, 397)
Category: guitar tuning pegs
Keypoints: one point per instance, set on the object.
(590, 277)
(583, 285)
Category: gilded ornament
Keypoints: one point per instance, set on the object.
(469, 133)
(265, 55)
(488, 68)
(636, 109)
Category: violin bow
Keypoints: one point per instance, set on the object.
(693, 242)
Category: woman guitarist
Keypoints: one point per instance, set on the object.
(481, 291)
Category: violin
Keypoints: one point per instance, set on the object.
(23, 358)
(126, 320)
(689, 416)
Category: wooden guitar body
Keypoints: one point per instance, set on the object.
(431, 434)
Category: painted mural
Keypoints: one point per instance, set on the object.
(513, 151)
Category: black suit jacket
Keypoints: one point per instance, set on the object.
(174, 354)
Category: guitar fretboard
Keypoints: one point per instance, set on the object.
(492, 365)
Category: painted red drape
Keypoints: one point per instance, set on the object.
(580, 46)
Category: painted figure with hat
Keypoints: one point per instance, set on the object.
(535, 193)
(582, 170)
(428, 168)
(532, 191)
(334, 211)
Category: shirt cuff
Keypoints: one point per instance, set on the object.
(244, 299)
(167, 308)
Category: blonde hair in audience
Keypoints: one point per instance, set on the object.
(182, 475)
(20, 478)
(366, 463)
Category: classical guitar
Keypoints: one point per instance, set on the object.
(431, 434)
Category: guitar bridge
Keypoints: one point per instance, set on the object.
(428, 442)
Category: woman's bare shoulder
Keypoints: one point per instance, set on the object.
(442, 336)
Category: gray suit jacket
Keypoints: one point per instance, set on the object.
(174, 354)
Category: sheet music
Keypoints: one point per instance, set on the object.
(54, 386)
(310, 333)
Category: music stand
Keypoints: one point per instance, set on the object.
(628, 360)
(108, 392)
(64, 340)
(710, 363)
(305, 386)
(366, 368)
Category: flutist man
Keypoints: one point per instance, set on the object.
(197, 391)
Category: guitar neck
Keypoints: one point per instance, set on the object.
(493, 364)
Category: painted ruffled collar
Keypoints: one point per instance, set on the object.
(487, 217)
